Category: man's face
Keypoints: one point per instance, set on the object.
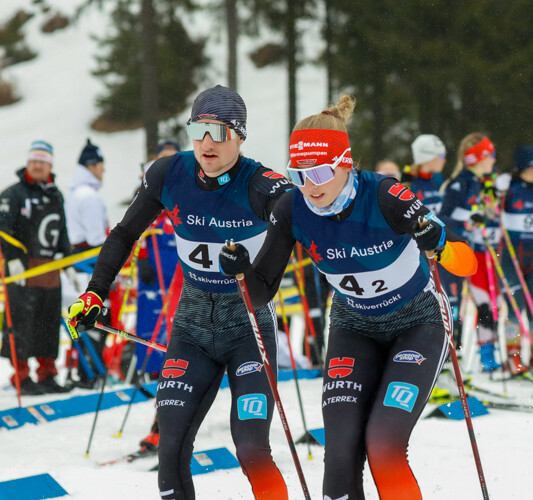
(39, 170)
(215, 158)
(97, 170)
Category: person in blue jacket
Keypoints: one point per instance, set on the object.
(517, 218)
(466, 208)
(387, 342)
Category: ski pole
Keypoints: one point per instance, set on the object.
(155, 334)
(307, 313)
(130, 336)
(505, 283)
(270, 375)
(492, 285)
(447, 322)
(133, 263)
(293, 364)
(160, 277)
(126, 335)
(519, 273)
(9, 322)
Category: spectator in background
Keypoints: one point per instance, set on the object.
(388, 168)
(150, 295)
(88, 226)
(85, 209)
(167, 148)
(32, 212)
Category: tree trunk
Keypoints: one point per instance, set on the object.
(378, 118)
(149, 79)
(291, 60)
(328, 35)
(232, 26)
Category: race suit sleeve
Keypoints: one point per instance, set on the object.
(401, 208)
(145, 207)
(265, 189)
(264, 276)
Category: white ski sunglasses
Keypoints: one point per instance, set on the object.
(318, 175)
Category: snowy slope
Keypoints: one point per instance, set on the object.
(59, 94)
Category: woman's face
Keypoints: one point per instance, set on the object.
(325, 194)
(434, 166)
(484, 167)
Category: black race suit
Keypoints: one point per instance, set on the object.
(386, 342)
(211, 332)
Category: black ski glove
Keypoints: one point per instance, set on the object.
(146, 272)
(477, 217)
(233, 262)
(430, 237)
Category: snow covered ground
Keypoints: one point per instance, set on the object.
(58, 105)
(440, 452)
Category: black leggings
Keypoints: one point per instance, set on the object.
(211, 334)
(373, 394)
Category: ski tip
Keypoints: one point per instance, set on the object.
(117, 434)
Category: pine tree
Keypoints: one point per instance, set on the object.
(141, 90)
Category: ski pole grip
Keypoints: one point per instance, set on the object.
(230, 245)
(423, 221)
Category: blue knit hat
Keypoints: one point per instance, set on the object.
(41, 151)
(523, 157)
(90, 155)
(222, 104)
(168, 145)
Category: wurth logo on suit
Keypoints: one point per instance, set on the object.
(340, 368)
(174, 368)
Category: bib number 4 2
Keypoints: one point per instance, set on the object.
(350, 284)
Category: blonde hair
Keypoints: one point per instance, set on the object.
(466, 143)
(336, 117)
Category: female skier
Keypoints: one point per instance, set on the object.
(466, 209)
(386, 342)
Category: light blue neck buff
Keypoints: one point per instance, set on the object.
(346, 196)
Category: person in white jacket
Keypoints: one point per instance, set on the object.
(87, 227)
(86, 213)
